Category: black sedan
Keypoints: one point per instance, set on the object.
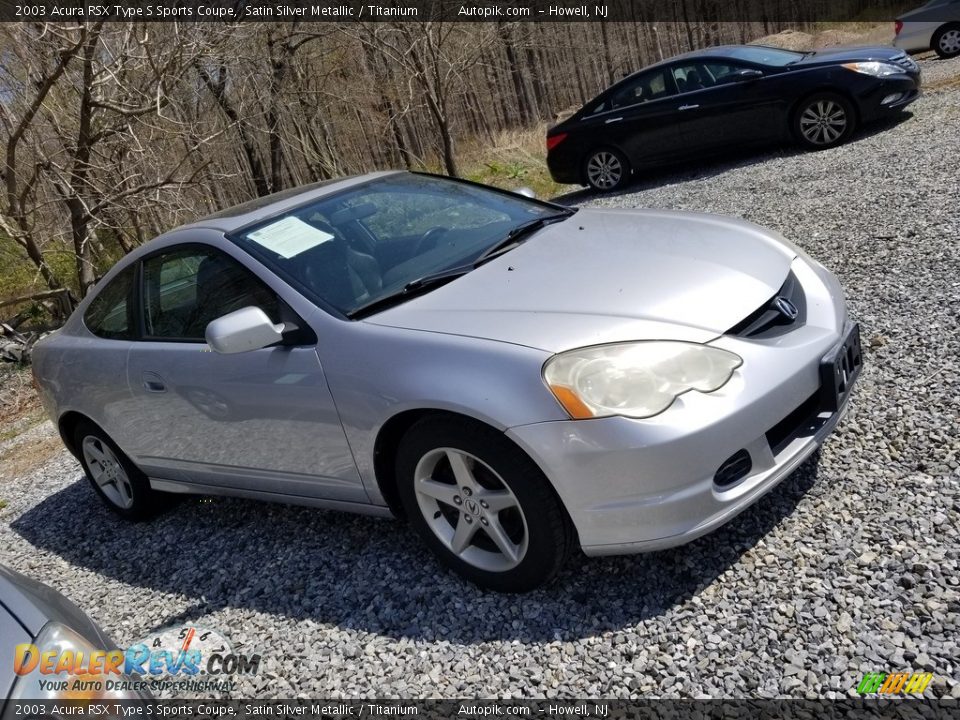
(712, 100)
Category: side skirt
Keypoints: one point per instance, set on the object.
(183, 488)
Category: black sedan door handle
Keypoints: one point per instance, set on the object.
(613, 120)
(688, 107)
(153, 382)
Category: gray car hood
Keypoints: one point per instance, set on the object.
(607, 276)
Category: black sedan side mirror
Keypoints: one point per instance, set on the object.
(748, 74)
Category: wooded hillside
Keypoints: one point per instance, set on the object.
(112, 133)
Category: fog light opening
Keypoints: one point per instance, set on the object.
(891, 98)
(734, 468)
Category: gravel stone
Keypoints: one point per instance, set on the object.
(849, 566)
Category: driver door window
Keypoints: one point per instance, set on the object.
(183, 290)
(691, 77)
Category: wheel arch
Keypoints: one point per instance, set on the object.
(67, 425)
(391, 434)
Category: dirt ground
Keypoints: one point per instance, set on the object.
(27, 438)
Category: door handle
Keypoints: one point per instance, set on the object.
(688, 107)
(153, 382)
(613, 120)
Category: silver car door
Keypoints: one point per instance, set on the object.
(262, 420)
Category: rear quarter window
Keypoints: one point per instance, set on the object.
(110, 314)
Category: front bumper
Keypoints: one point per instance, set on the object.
(639, 485)
(890, 94)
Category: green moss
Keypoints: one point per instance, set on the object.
(19, 276)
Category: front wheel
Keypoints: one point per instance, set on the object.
(481, 505)
(946, 41)
(606, 170)
(823, 120)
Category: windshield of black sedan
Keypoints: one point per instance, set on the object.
(763, 55)
(351, 249)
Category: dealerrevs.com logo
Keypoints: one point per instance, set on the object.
(894, 683)
(181, 657)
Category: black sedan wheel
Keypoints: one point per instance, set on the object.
(606, 170)
(946, 41)
(481, 504)
(823, 120)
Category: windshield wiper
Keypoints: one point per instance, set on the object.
(410, 289)
(514, 237)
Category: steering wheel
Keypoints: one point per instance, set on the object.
(430, 239)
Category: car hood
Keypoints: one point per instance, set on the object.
(848, 54)
(34, 604)
(608, 276)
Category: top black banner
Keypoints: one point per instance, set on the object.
(681, 11)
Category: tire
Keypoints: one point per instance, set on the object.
(499, 493)
(117, 481)
(606, 169)
(823, 120)
(946, 41)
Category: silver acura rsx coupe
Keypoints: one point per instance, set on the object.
(514, 377)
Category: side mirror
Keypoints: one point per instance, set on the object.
(748, 74)
(242, 330)
(526, 192)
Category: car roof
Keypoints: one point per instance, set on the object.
(718, 51)
(261, 208)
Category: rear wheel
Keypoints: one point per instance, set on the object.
(606, 169)
(481, 505)
(120, 484)
(946, 41)
(823, 120)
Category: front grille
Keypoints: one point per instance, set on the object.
(767, 321)
(906, 62)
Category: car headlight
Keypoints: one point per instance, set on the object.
(635, 379)
(877, 69)
(62, 665)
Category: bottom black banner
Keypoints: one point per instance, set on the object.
(848, 709)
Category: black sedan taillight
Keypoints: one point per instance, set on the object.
(554, 140)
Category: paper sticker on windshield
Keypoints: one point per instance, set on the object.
(289, 237)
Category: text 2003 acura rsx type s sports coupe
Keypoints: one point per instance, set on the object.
(514, 377)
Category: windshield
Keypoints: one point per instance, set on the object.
(765, 55)
(350, 249)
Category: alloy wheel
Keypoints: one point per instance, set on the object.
(107, 472)
(950, 42)
(471, 509)
(823, 122)
(604, 170)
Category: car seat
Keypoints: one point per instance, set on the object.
(693, 81)
(337, 273)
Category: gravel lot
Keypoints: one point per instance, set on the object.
(849, 566)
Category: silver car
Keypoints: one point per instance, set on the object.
(514, 377)
(39, 627)
(935, 25)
